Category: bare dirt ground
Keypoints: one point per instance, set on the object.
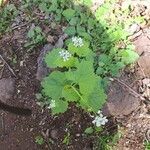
(128, 99)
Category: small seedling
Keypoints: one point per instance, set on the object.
(39, 140)
(7, 14)
(89, 130)
(108, 142)
(66, 139)
(35, 36)
(147, 145)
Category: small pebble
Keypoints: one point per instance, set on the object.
(54, 134)
(77, 134)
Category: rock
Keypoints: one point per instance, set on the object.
(60, 42)
(78, 134)
(7, 87)
(134, 36)
(42, 69)
(120, 102)
(134, 28)
(54, 134)
(142, 47)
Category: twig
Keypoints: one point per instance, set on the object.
(47, 142)
(1, 74)
(22, 25)
(141, 70)
(11, 70)
(2, 124)
(130, 89)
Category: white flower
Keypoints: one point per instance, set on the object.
(65, 55)
(52, 104)
(100, 119)
(77, 41)
(99, 112)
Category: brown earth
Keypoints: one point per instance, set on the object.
(124, 104)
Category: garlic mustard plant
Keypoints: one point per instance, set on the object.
(89, 56)
(65, 55)
(77, 41)
(100, 120)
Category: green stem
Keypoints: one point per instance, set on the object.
(76, 92)
(82, 99)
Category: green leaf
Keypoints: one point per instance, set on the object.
(80, 51)
(53, 84)
(74, 21)
(92, 95)
(80, 29)
(58, 17)
(53, 59)
(105, 59)
(89, 130)
(129, 56)
(84, 18)
(69, 94)
(84, 69)
(91, 23)
(31, 33)
(85, 77)
(53, 7)
(66, 139)
(100, 71)
(86, 36)
(10, 7)
(68, 13)
(96, 99)
(87, 2)
(115, 68)
(1, 2)
(70, 75)
(43, 7)
(38, 29)
(70, 30)
(60, 107)
(39, 140)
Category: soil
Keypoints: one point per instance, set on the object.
(128, 109)
(20, 132)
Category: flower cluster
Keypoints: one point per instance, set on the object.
(100, 119)
(77, 41)
(52, 104)
(65, 55)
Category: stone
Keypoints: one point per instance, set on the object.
(60, 42)
(134, 28)
(120, 102)
(7, 87)
(142, 47)
(42, 69)
(134, 36)
(54, 134)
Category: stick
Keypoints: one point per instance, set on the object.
(2, 124)
(11, 70)
(1, 74)
(22, 25)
